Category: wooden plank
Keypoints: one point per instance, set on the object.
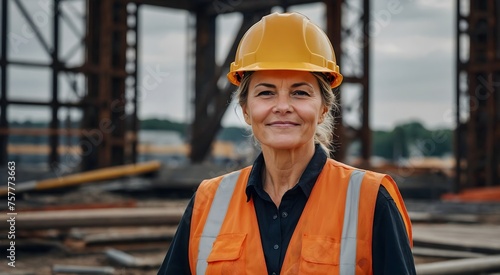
(97, 218)
(122, 258)
(91, 238)
(128, 260)
(462, 266)
(444, 253)
(74, 269)
(74, 206)
(86, 177)
(483, 238)
(443, 217)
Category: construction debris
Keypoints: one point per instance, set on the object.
(84, 177)
(141, 216)
(482, 194)
(73, 269)
(481, 238)
(126, 225)
(131, 261)
(462, 266)
(444, 253)
(96, 239)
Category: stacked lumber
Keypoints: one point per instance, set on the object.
(108, 217)
(456, 237)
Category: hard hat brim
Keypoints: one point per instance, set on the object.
(235, 76)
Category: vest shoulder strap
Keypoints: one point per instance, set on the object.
(215, 218)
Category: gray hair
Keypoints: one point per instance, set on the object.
(324, 131)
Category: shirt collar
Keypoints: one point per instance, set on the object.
(306, 181)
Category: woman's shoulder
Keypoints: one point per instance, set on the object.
(342, 166)
(345, 170)
(229, 175)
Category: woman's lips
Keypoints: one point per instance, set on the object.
(282, 123)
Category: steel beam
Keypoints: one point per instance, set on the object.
(211, 100)
(365, 131)
(54, 122)
(3, 83)
(334, 32)
(459, 66)
(482, 143)
(204, 68)
(339, 31)
(106, 55)
(133, 157)
(33, 26)
(216, 7)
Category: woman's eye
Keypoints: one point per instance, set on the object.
(264, 93)
(300, 93)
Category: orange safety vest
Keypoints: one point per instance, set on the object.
(333, 234)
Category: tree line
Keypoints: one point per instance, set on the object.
(403, 141)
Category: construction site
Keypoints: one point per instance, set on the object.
(93, 187)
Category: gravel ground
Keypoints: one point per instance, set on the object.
(42, 263)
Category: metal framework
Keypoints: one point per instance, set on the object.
(108, 131)
(477, 146)
(107, 116)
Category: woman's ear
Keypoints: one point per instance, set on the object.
(323, 115)
(245, 115)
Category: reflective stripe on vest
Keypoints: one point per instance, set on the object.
(350, 227)
(215, 218)
(220, 204)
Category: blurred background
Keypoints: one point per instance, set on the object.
(113, 111)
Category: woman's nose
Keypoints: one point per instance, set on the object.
(282, 103)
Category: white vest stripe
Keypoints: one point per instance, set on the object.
(350, 227)
(215, 218)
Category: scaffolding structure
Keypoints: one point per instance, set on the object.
(108, 100)
(477, 138)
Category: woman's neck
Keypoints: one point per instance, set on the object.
(283, 169)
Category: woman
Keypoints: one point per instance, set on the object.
(294, 211)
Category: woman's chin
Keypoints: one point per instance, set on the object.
(283, 145)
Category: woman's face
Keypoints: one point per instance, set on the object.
(284, 108)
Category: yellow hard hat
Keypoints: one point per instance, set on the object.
(286, 41)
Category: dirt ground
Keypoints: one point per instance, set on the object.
(53, 249)
(42, 263)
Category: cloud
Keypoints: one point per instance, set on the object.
(412, 67)
(413, 46)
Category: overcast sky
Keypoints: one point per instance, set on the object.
(412, 65)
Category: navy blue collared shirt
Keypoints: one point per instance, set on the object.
(391, 251)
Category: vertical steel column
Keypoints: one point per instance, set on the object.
(459, 66)
(365, 121)
(105, 48)
(337, 31)
(118, 73)
(90, 148)
(472, 75)
(104, 123)
(4, 125)
(135, 119)
(54, 122)
(211, 100)
(204, 73)
(492, 108)
(334, 32)
(483, 140)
